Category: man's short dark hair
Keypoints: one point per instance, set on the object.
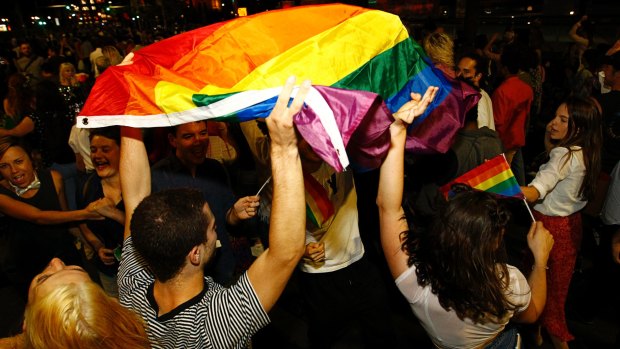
(481, 62)
(173, 129)
(166, 226)
(110, 132)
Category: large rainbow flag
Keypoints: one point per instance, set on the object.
(493, 176)
(233, 71)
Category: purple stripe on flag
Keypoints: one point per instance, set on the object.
(363, 121)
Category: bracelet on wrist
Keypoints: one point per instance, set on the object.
(540, 266)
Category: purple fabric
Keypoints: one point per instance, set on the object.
(436, 134)
(363, 121)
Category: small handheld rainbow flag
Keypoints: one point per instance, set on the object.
(493, 176)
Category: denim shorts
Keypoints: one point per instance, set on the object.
(505, 340)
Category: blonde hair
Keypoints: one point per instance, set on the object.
(82, 316)
(71, 82)
(111, 53)
(440, 49)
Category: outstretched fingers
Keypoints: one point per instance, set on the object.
(283, 98)
(428, 97)
(280, 121)
(298, 102)
(416, 106)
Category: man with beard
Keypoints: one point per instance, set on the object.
(471, 68)
(28, 63)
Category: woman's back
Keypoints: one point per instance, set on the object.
(444, 327)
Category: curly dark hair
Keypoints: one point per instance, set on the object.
(460, 256)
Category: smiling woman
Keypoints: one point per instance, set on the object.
(105, 236)
(34, 204)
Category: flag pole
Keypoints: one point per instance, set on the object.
(529, 210)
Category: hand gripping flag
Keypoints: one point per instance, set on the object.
(233, 71)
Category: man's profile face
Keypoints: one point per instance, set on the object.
(466, 69)
(211, 233)
(191, 142)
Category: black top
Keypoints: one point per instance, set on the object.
(34, 245)
(108, 231)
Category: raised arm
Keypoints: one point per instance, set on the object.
(271, 271)
(540, 242)
(23, 128)
(389, 198)
(572, 33)
(488, 49)
(135, 172)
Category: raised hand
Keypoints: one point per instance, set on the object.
(280, 121)
(416, 106)
(128, 60)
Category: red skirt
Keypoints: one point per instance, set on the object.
(567, 233)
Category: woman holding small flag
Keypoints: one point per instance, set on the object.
(451, 275)
(561, 188)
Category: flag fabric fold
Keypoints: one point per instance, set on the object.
(493, 176)
(233, 71)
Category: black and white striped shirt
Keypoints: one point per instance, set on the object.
(218, 317)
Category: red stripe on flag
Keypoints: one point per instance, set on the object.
(320, 197)
(483, 172)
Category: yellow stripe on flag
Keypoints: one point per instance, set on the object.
(498, 178)
(346, 47)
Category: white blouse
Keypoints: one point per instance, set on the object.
(558, 182)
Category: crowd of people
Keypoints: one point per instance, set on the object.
(186, 237)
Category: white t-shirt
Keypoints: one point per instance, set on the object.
(485, 111)
(445, 328)
(340, 234)
(80, 143)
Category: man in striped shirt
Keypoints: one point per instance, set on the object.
(172, 237)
